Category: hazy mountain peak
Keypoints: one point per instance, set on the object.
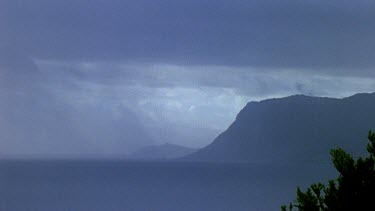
(163, 151)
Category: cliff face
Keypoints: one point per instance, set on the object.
(294, 129)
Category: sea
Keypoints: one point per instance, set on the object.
(117, 185)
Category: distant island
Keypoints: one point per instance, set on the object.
(161, 152)
(293, 129)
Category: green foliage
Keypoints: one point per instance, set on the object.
(354, 189)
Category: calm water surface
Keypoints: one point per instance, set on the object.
(150, 186)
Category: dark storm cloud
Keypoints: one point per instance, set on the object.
(101, 68)
(326, 35)
(258, 83)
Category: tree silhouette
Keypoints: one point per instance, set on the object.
(354, 189)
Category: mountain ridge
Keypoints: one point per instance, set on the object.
(296, 128)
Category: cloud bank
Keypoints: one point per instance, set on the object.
(175, 71)
(336, 36)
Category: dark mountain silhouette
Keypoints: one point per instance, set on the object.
(165, 151)
(294, 129)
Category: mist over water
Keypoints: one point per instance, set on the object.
(141, 186)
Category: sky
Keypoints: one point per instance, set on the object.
(103, 78)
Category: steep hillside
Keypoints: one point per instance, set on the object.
(294, 129)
